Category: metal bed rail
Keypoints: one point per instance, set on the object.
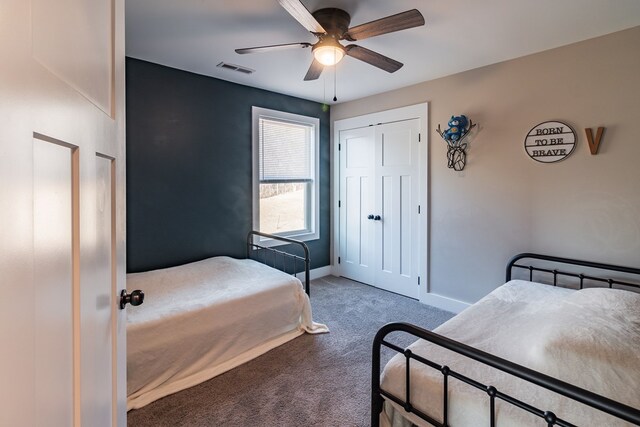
(569, 261)
(277, 258)
(586, 397)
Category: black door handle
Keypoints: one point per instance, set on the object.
(377, 218)
(370, 217)
(135, 298)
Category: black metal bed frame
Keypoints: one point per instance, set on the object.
(596, 265)
(266, 254)
(586, 397)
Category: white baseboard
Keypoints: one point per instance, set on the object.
(317, 273)
(438, 301)
(445, 303)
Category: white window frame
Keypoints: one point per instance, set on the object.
(313, 208)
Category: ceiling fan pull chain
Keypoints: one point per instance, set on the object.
(335, 82)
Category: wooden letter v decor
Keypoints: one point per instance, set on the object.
(594, 145)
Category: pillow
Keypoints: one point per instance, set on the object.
(593, 342)
(618, 301)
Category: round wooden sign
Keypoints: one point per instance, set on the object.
(550, 142)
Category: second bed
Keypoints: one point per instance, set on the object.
(587, 338)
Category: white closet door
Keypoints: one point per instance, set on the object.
(357, 181)
(396, 202)
(379, 198)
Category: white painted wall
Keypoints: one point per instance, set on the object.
(504, 202)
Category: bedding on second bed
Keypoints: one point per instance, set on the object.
(589, 338)
(204, 318)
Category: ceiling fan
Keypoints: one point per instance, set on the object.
(330, 25)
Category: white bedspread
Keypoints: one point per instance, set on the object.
(590, 338)
(204, 318)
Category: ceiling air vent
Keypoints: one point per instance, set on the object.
(238, 68)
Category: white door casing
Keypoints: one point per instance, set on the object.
(63, 356)
(382, 160)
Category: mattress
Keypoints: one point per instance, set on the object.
(204, 318)
(589, 338)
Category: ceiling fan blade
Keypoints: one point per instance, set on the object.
(373, 58)
(314, 71)
(258, 49)
(302, 15)
(401, 21)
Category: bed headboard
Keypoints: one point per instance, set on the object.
(284, 258)
(593, 273)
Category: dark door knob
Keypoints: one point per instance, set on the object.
(370, 217)
(377, 218)
(135, 298)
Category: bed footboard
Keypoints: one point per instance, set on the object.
(586, 397)
(280, 259)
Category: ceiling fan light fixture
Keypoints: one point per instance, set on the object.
(328, 52)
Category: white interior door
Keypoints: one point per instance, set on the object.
(357, 182)
(379, 205)
(397, 207)
(63, 357)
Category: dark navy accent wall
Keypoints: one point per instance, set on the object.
(189, 166)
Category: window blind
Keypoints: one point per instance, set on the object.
(285, 151)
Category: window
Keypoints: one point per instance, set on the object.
(285, 174)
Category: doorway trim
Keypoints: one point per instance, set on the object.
(417, 111)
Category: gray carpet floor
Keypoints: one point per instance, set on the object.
(313, 380)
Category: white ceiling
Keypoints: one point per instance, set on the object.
(459, 35)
